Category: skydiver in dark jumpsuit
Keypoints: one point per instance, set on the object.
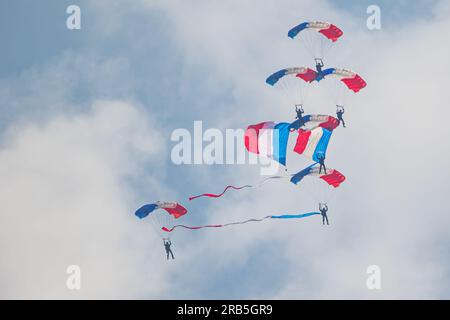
(319, 65)
(323, 212)
(339, 112)
(167, 245)
(299, 111)
(322, 163)
(299, 123)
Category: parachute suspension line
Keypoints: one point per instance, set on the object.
(285, 88)
(312, 43)
(169, 220)
(318, 46)
(159, 220)
(337, 91)
(292, 84)
(319, 51)
(325, 46)
(301, 91)
(154, 222)
(162, 219)
(318, 191)
(307, 38)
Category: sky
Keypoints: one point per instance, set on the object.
(86, 118)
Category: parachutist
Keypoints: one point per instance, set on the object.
(323, 211)
(300, 122)
(319, 66)
(322, 163)
(299, 111)
(167, 245)
(339, 112)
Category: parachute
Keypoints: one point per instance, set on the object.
(333, 177)
(319, 185)
(295, 91)
(161, 218)
(341, 83)
(305, 73)
(316, 36)
(289, 84)
(284, 216)
(352, 80)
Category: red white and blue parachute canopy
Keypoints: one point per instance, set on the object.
(313, 143)
(352, 80)
(312, 121)
(173, 208)
(330, 31)
(332, 177)
(304, 73)
(268, 139)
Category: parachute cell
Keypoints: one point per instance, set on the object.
(312, 144)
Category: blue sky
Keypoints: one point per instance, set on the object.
(38, 28)
(86, 118)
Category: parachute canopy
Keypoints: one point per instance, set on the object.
(332, 177)
(161, 218)
(296, 85)
(305, 73)
(352, 80)
(286, 81)
(312, 121)
(317, 37)
(172, 208)
(330, 31)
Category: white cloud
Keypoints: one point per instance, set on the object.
(65, 200)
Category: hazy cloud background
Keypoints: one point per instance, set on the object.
(86, 118)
